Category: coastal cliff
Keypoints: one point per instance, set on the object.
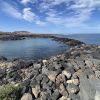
(73, 75)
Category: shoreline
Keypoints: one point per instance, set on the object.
(61, 77)
(24, 35)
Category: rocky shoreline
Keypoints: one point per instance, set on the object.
(74, 75)
(4, 36)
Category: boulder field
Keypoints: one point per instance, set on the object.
(73, 75)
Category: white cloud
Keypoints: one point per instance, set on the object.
(81, 11)
(25, 1)
(41, 23)
(28, 14)
(75, 12)
(11, 10)
(25, 14)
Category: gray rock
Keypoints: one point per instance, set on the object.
(26, 82)
(89, 73)
(87, 90)
(97, 74)
(37, 66)
(39, 78)
(46, 86)
(55, 95)
(45, 96)
(3, 58)
(72, 88)
(36, 91)
(80, 62)
(44, 79)
(67, 74)
(26, 89)
(74, 81)
(97, 95)
(52, 75)
(56, 66)
(50, 83)
(27, 96)
(23, 64)
(63, 90)
(33, 82)
(89, 63)
(74, 97)
(44, 70)
(75, 65)
(35, 72)
(64, 98)
(2, 72)
(60, 79)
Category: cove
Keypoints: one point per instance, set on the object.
(31, 48)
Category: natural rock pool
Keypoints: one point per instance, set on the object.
(37, 48)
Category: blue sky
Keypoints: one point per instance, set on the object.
(50, 16)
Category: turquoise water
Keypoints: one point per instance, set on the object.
(31, 48)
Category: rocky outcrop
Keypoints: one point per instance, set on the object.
(74, 75)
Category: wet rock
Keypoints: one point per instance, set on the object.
(67, 74)
(72, 88)
(36, 90)
(27, 96)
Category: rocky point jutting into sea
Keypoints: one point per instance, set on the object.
(73, 75)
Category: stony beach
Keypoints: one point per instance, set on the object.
(73, 75)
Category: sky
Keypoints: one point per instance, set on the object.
(50, 16)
